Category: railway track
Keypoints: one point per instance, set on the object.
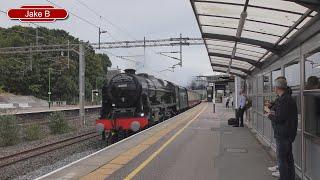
(30, 153)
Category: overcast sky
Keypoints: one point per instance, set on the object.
(150, 18)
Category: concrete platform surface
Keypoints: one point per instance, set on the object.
(197, 144)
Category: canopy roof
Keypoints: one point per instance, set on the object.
(240, 35)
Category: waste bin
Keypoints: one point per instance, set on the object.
(236, 113)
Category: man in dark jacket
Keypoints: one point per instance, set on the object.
(285, 122)
(271, 106)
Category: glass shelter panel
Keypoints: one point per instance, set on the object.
(248, 56)
(220, 44)
(260, 104)
(312, 71)
(282, 5)
(275, 74)
(218, 21)
(297, 99)
(296, 146)
(249, 52)
(266, 83)
(260, 84)
(218, 9)
(312, 118)
(273, 17)
(217, 45)
(267, 132)
(251, 48)
(219, 50)
(261, 36)
(312, 159)
(220, 61)
(219, 30)
(296, 149)
(292, 73)
(259, 27)
(312, 94)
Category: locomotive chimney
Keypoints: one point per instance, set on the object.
(130, 71)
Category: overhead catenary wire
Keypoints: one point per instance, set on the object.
(85, 20)
(107, 20)
(104, 18)
(113, 24)
(117, 56)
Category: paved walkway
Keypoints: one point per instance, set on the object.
(207, 149)
(195, 145)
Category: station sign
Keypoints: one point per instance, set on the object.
(37, 13)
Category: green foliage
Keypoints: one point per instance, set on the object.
(33, 132)
(65, 88)
(35, 88)
(9, 130)
(17, 76)
(2, 89)
(58, 123)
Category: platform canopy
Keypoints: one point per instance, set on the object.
(240, 35)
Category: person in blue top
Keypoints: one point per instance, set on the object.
(241, 109)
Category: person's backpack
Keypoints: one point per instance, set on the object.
(248, 103)
(232, 121)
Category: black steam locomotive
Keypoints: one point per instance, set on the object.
(131, 102)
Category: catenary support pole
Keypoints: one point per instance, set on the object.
(99, 37)
(81, 83)
(144, 52)
(49, 86)
(180, 50)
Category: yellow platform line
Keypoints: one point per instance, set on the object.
(122, 159)
(156, 153)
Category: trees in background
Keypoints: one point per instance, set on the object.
(17, 76)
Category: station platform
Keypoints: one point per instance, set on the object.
(197, 144)
(46, 109)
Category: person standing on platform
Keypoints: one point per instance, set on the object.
(284, 115)
(241, 109)
(227, 102)
(271, 106)
(231, 99)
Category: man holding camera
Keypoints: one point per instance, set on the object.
(284, 116)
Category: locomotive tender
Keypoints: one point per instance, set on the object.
(132, 102)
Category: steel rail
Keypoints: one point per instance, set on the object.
(30, 153)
